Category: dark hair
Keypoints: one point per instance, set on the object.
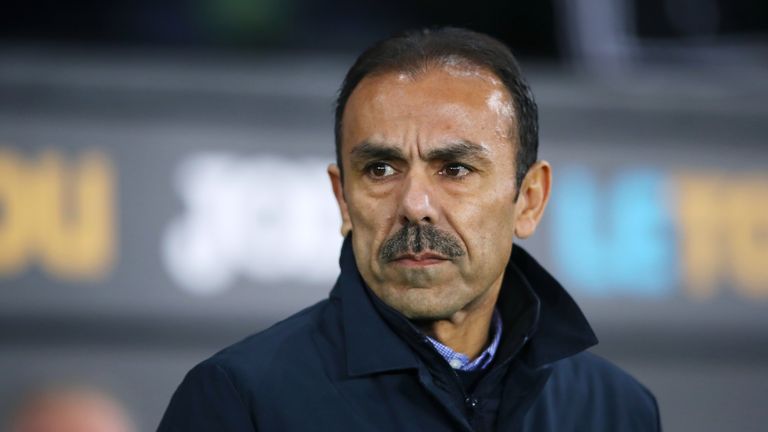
(415, 51)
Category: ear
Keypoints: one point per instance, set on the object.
(338, 190)
(532, 198)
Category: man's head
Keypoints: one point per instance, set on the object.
(436, 137)
(414, 52)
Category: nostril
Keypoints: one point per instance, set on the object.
(405, 220)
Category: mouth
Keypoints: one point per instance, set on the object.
(419, 260)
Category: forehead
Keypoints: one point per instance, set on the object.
(441, 102)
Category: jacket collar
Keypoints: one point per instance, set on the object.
(371, 345)
(558, 328)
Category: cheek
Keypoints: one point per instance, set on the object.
(371, 218)
(486, 223)
(369, 214)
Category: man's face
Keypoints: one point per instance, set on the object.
(429, 187)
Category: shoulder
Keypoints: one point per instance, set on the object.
(605, 389)
(223, 391)
(589, 370)
(595, 376)
(261, 356)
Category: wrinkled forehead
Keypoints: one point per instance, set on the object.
(454, 96)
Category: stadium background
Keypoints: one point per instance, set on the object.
(163, 188)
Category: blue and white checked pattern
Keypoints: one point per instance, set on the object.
(462, 362)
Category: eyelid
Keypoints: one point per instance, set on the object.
(461, 164)
(367, 170)
(447, 165)
(370, 164)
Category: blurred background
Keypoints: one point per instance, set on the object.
(163, 190)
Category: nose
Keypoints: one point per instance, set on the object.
(417, 201)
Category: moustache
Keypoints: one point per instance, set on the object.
(415, 238)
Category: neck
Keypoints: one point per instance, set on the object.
(466, 331)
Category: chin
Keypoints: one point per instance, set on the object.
(426, 278)
(422, 304)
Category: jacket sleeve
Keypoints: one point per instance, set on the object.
(205, 401)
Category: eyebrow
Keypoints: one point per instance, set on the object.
(368, 150)
(459, 150)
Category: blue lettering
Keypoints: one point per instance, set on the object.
(614, 241)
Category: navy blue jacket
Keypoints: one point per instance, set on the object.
(339, 366)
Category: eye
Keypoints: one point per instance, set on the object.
(455, 170)
(380, 170)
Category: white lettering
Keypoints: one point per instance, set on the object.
(265, 218)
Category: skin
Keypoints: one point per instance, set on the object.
(71, 410)
(436, 148)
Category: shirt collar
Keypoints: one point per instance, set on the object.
(462, 362)
(554, 326)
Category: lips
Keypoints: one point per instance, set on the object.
(420, 259)
(421, 256)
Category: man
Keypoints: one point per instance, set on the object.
(436, 323)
